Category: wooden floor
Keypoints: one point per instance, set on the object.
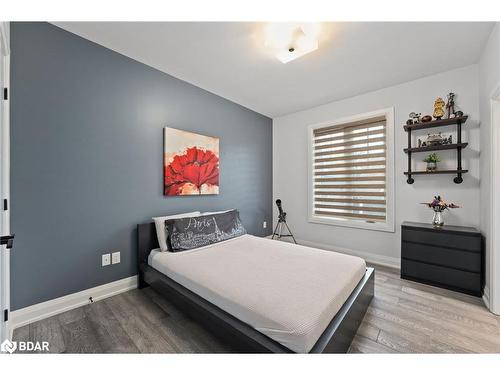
(404, 317)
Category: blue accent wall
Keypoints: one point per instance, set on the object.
(87, 163)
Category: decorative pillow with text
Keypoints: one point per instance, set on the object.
(190, 233)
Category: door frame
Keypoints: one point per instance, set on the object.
(5, 178)
(494, 266)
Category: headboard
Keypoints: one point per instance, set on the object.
(146, 241)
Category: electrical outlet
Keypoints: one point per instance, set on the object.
(106, 259)
(264, 224)
(115, 257)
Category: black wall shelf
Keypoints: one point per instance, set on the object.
(458, 121)
(441, 171)
(436, 123)
(436, 148)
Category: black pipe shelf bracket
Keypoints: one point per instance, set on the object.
(458, 121)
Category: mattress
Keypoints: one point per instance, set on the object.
(288, 292)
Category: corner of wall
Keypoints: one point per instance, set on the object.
(489, 79)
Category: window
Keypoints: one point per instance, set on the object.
(351, 172)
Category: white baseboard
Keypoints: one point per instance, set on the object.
(59, 305)
(369, 257)
(486, 297)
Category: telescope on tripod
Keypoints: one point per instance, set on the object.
(282, 229)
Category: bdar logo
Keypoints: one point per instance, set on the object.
(8, 346)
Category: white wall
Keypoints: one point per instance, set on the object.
(489, 79)
(290, 164)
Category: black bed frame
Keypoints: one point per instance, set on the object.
(336, 338)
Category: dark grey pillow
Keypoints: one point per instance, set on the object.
(192, 232)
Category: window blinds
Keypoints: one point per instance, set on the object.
(349, 166)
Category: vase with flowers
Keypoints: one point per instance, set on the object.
(438, 205)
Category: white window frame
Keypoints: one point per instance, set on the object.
(388, 225)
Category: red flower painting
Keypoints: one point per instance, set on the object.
(192, 170)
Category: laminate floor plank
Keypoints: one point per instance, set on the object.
(120, 307)
(145, 336)
(144, 306)
(453, 334)
(109, 332)
(434, 342)
(22, 333)
(447, 333)
(368, 330)
(400, 343)
(404, 317)
(71, 316)
(143, 333)
(81, 337)
(486, 337)
(49, 330)
(452, 316)
(172, 311)
(174, 333)
(362, 344)
(465, 312)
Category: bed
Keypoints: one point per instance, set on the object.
(261, 295)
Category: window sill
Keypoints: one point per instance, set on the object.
(356, 224)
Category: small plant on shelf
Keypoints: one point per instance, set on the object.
(432, 161)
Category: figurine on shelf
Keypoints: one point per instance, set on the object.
(450, 105)
(414, 118)
(426, 118)
(434, 139)
(439, 108)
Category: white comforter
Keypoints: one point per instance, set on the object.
(288, 292)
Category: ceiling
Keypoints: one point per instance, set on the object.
(230, 60)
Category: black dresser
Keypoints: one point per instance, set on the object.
(449, 257)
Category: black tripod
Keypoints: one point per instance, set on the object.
(282, 225)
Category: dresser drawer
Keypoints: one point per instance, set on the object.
(457, 241)
(442, 276)
(464, 260)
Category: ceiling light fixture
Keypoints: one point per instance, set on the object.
(292, 40)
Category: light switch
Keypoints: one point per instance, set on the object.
(115, 257)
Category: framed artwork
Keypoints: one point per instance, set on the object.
(191, 163)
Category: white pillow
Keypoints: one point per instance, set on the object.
(215, 212)
(160, 226)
